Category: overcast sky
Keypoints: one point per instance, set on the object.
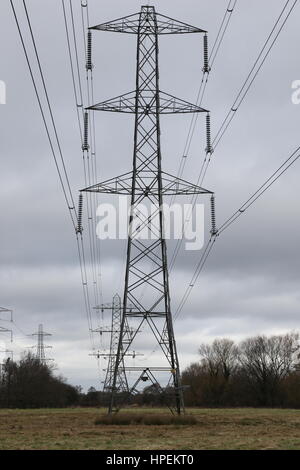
(251, 282)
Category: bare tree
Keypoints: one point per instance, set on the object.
(220, 358)
(267, 361)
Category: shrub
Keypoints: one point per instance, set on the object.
(125, 419)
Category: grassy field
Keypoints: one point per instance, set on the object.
(215, 429)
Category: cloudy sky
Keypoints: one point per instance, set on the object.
(250, 284)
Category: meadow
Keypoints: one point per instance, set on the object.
(215, 429)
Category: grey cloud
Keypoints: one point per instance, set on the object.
(249, 285)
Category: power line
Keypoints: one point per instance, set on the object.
(19, 329)
(262, 189)
(204, 81)
(206, 162)
(253, 73)
(237, 103)
(49, 104)
(68, 202)
(89, 152)
(76, 50)
(79, 242)
(222, 31)
(89, 170)
(94, 163)
(78, 104)
(85, 288)
(290, 161)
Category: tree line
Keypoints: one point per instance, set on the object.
(258, 372)
(31, 383)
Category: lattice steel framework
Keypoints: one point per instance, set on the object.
(147, 184)
(114, 331)
(121, 382)
(40, 347)
(4, 311)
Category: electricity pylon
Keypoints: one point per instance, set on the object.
(147, 184)
(10, 357)
(114, 331)
(40, 347)
(6, 310)
(5, 330)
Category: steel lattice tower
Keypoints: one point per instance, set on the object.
(121, 382)
(147, 184)
(40, 348)
(5, 330)
(114, 330)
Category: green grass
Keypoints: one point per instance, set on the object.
(214, 429)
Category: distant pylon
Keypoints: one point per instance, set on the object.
(114, 331)
(6, 310)
(5, 330)
(40, 347)
(9, 357)
(114, 340)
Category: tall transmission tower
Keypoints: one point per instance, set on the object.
(147, 185)
(40, 347)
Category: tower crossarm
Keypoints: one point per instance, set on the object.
(163, 25)
(41, 334)
(168, 104)
(108, 355)
(4, 311)
(171, 185)
(5, 330)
